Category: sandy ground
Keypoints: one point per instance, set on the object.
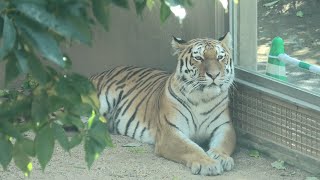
(141, 163)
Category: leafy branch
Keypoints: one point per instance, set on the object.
(52, 97)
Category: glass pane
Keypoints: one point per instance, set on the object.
(296, 22)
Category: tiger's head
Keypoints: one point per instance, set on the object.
(204, 64)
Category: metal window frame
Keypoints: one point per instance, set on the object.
(282, 90)
(246, 76)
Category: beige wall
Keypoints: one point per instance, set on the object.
(146, 42)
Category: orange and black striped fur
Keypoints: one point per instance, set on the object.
(185, 113)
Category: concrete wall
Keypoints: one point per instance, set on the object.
(141, 42)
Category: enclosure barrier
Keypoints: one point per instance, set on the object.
(270, 118)
(277, 61)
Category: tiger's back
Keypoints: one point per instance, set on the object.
(127, 98)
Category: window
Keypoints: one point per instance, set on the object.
(255, 23)
(277, 115)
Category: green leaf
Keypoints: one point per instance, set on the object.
(150, 4)
(121, 3)
(39, 110)
(36, 69)
(81, 109)
(12, 70)
(164, 12)
(81, 84)
(254, 153)
(90, 152)
(75, 140)
(21, 159)
(173, 2)
(44, 143)
(61, 136)
(96, 141)
(101, 11)
(74, 120)
(76, 8)
(66, 26)
(5, 152)
(77, 29)
(140, 5)
(28, 146)
(9, 37)
(65, 90)
(3, 5)
(99, 132)
(56, 102)
(15, 108)
(22, 60)
(278, 165)
(299, 14)
(40, 38)
(35, 75)
(9, 130)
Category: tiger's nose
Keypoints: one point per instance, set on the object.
(212, 76)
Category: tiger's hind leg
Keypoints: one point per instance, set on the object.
(175, 146)
(222, 145)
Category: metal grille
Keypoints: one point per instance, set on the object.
(282, 123)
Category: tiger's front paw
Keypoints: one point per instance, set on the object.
(206, 167)
(226, 161)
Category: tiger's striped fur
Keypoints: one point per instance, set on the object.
(177, 112)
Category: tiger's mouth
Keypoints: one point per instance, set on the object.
(202, 86)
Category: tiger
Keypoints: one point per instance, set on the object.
(184, 114)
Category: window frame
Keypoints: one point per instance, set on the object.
(243, 27)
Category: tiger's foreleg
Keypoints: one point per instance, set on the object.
(222, 145)
(174, 145)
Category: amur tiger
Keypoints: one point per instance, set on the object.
(184, 114)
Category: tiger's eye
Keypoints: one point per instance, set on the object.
(220, 57)
(198, 58)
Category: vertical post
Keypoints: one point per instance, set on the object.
(247, 45)
(233, 28)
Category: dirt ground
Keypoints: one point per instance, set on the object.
(141, 163)
(301, 36)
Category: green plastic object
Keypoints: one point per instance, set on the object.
(275, 67)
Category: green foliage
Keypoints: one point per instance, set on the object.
(9, 37)
(101, 10)
(254, 153)
(279, 164)
(44, 144)
(140, 5)
(5, 152)
(51, 97)
(164, 12)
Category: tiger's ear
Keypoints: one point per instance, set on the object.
(227, 40)
(178, 45)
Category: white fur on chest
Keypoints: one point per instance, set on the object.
(204, 117)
